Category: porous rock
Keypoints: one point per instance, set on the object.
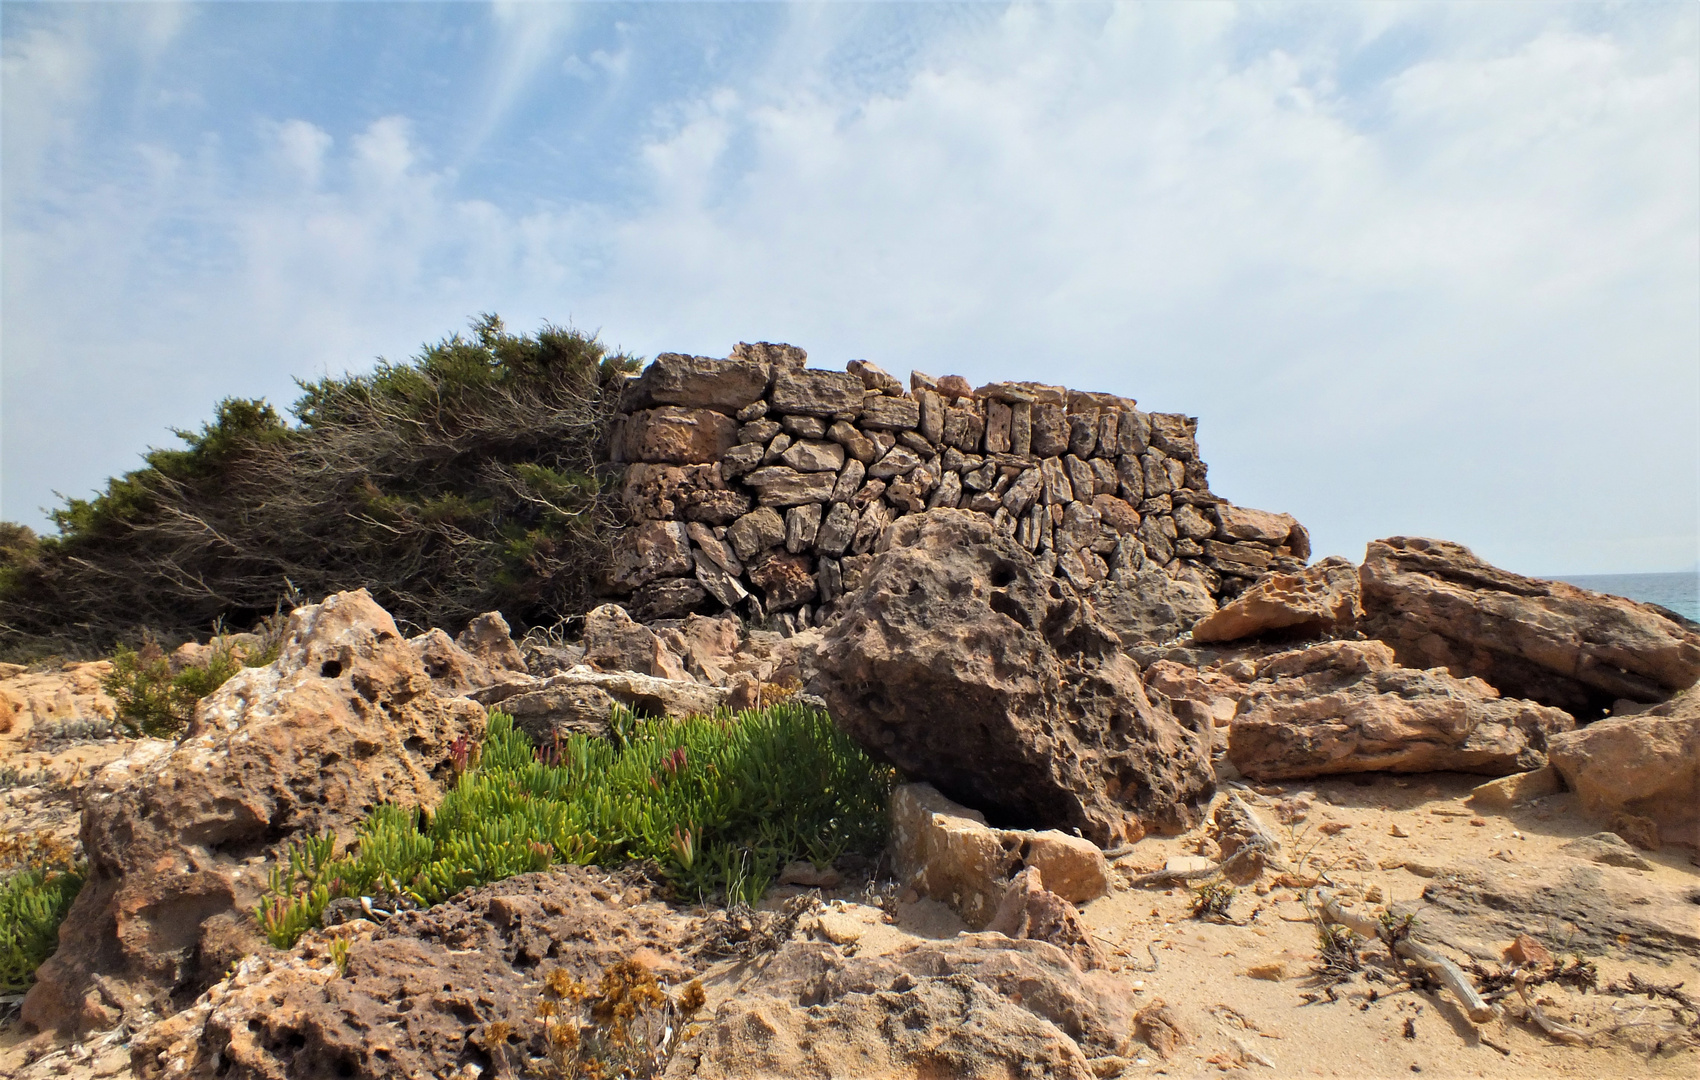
(697, 382)
(342, 721)
(1440, 606)
(962, 664)
(1346, 706)
(649, 550)
(580, 700)
(674, 436)
(419, 995)
(1150, 605)
(488, 640)
(1318, 599)
(977, 1007)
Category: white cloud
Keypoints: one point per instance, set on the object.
(1453, 296)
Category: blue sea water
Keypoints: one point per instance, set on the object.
(1679, 592)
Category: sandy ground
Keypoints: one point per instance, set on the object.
(1243, 989)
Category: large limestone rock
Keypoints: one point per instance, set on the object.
(977, 1007)
(400, 1008)
(673, 436)
(344, 720)
(696, 382)
(1149, 605)
(1317, 599)
(1646, 765)
(1345, 706)
(1440, 606)
(947, 852)
(580, 701)
(959, 661)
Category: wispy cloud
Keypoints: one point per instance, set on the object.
(1409, 267)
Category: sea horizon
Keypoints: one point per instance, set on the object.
(1678, 590)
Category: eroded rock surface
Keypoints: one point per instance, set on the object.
(977, 1007)
(961, 663)
(947, 852)
(1647, 765)
(1345, 706)
(1440, 606)
(1317, 599)
(419, 993)
(344, 720)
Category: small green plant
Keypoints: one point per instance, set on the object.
(627, 1027)
(39, 880)
(151, 700)
(719, 803)
(339, 954)
(1212, 900)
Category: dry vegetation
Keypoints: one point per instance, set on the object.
(461, 482)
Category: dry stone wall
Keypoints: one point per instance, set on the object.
(760, 484)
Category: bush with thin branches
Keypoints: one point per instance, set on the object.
(463, 481)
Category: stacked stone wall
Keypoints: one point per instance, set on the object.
(757, 483)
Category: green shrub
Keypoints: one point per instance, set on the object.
(150, 700)
(38, 882)
(463, 481)
(718, 802)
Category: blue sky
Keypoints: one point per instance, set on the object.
(1426, 269)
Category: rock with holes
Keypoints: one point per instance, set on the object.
(426, 992)
(345, 719)
(975, 1007)
(957, 659)
(947, 852)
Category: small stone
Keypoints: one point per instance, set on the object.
(1526, 950)
(1270, 972)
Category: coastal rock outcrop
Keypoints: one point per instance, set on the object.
(422, 995)
(1319, 598)
(947, 852)
(1647, 765)
(1438, 605)
(976, 1007)
(965, 665)
(1346, 706)
(345, 719)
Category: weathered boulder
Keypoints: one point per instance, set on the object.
(1031, 912)
(488, 640)
(1440, 606)
(1316, 600)
(614, 641)
(1647, 765)
(342, 721)
(670, 435)
(649, 550)
(402, 1006)
(453, 671)
(1345, 706)
(1149, 605)
(696, 382)
(957, 660)
(947, 852)
(580, 701)
(977, 1007)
